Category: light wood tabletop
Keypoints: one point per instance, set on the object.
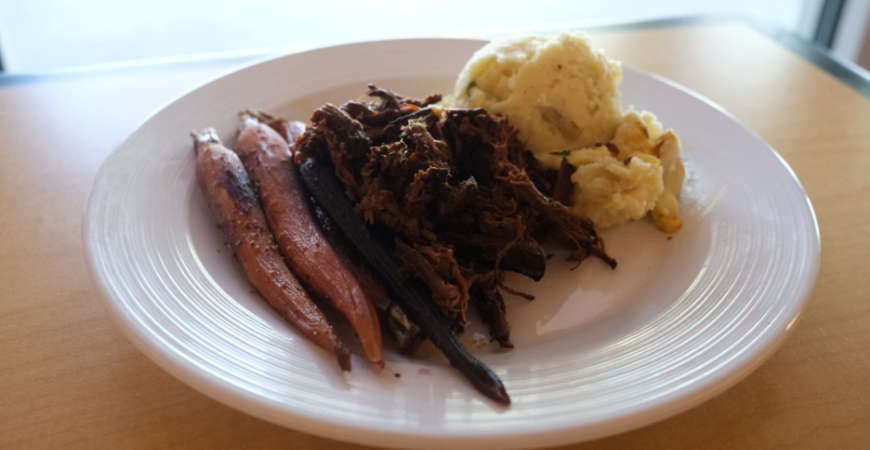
(72, 380)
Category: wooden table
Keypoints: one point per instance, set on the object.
(71, 380)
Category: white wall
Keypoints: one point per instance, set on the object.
(49, 35)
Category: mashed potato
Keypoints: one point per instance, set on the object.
(563, 98)
(611, 192)
(557, 92)
(638, 172)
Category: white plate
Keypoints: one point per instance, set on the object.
(598, 352)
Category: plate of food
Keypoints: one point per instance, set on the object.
(437, 242)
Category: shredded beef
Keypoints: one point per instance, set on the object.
(461, 197)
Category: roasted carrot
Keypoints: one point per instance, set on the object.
(266, 156)
(406, 333)
(408, 293)
(288, 129)
(235, 207)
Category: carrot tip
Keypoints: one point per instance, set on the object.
(501, 396)
(205, 136)
(249, 118)
(343, 359)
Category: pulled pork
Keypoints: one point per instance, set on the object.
(453, 193)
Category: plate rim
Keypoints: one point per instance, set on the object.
(325, 426)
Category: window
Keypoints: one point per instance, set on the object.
(48, 35)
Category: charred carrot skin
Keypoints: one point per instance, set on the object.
(408, 293)
(236, 209)
(266, 156)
